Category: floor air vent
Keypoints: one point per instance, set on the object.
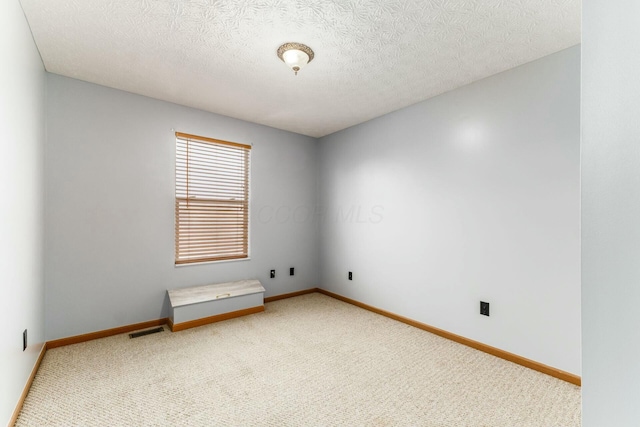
(147, 332)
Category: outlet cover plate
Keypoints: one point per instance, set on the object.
(484, 308)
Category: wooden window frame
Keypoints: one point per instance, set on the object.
(211, 206)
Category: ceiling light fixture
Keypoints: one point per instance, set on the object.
(295, 55)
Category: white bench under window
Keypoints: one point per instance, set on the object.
(200, 305)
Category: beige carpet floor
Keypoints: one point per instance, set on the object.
(306, 361)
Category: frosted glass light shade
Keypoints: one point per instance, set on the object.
(295, 55)
(295, 59)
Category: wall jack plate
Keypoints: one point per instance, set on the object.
(350, 276)
(484, 308)
(272, 274)
(24, 340)
(291, 271)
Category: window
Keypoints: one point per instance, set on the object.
(212, 199)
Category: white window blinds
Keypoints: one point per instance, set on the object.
(212, 199)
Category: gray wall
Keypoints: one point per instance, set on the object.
(22, 79)
(611, 213)
(472, 195)
(109, 207)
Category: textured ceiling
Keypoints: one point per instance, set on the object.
(371, 56)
